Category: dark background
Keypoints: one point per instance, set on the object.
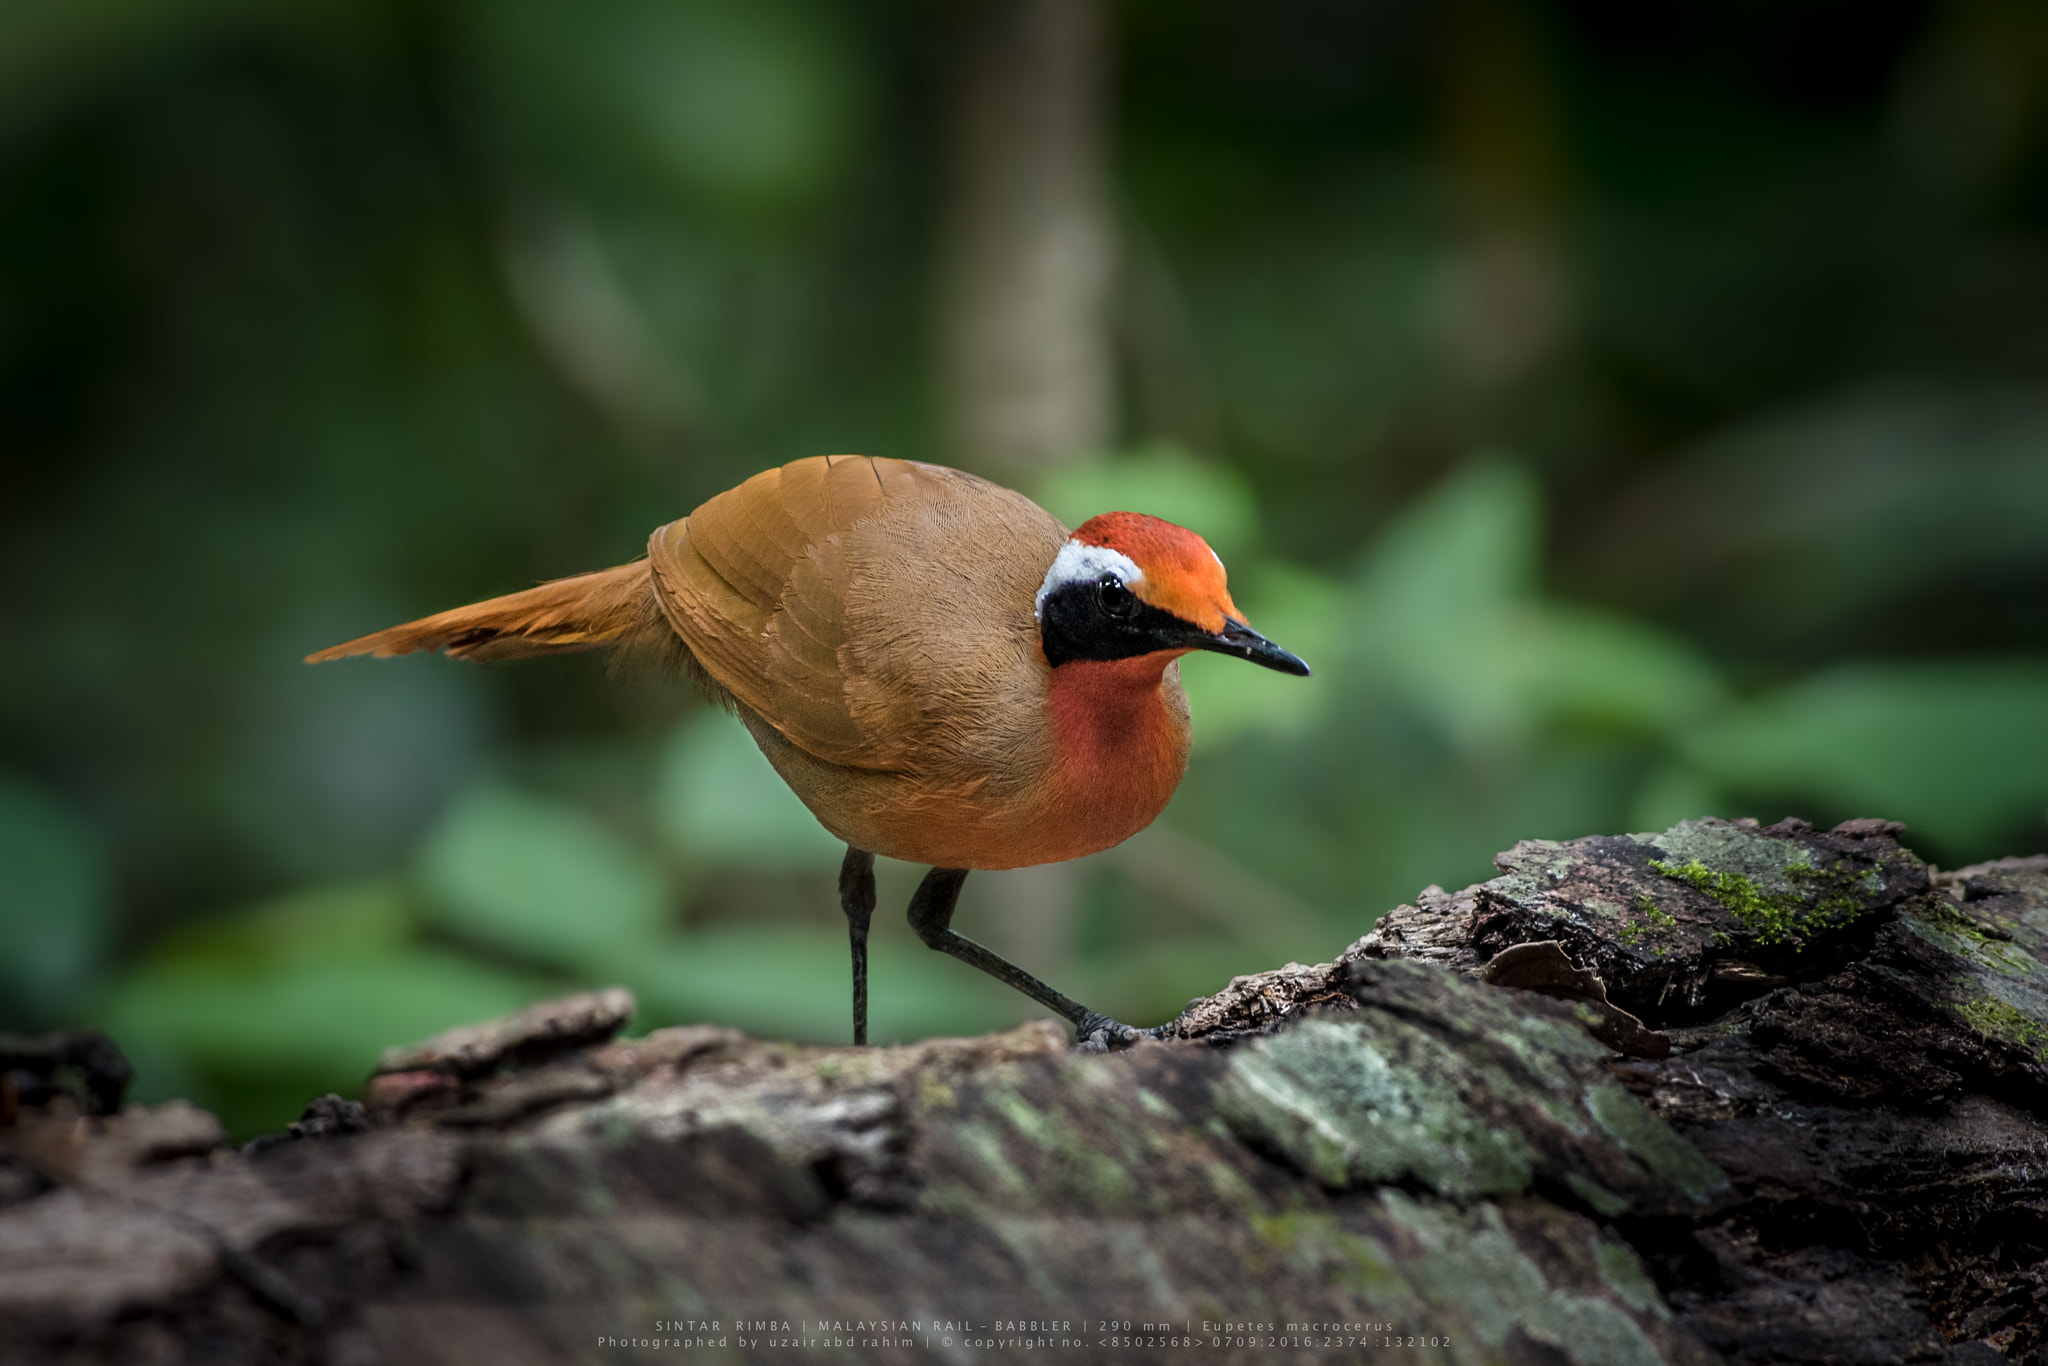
(1634, 413)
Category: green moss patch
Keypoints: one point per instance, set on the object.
(1938, 920)
(1646, 918)
(1994, 1019)
(1779, 918)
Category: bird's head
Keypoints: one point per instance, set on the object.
(1127, 585)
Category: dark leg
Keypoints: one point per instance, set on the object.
(857, 899)
(931, 915)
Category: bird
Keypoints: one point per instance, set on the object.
(939, 669)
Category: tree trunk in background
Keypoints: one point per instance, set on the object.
(1026, 375)
(1503, 305)
(1025, 368)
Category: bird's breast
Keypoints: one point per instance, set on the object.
(1120, 736)
(1091, 760)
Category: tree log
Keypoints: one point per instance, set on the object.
(1727, 1093)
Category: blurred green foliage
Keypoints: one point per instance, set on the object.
(55, 902)
(1632, 414)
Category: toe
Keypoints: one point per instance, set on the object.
(1100, 1034)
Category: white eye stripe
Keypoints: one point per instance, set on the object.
(1079, 562)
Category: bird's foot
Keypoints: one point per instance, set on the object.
(1097, 1033)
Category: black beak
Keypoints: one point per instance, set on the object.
(1240, 640)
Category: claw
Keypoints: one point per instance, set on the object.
(1097, 1033)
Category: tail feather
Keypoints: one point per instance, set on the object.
(613, 607)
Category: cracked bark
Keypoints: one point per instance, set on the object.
(1842, 1158)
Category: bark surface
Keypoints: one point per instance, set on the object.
(1725, 1093)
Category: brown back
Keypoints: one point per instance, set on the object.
(877, 613)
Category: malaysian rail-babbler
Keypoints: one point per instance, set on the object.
(939, 669)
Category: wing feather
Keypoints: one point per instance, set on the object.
(752, 581)
(804, 592)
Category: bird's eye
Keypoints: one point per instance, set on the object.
(1116, 599)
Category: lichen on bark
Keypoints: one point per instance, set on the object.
(1836, 1161)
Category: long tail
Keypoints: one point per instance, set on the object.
(613, 607)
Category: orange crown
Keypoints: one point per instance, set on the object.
(1182, 574)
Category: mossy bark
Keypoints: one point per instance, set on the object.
(1843, 1158)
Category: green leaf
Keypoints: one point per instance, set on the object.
(1957, 751)
(351, 921)
(1444, 621)
(719, 803)
(55, 905)
(254, 1013)
(1449, 620)
(1674, 793)
(256, 1043)
(1297, 608)
(1164, 481)
(1462, 552)
(329, 1018)
(1594, 668)
(540, 879)
(49, 52)
(795, 982)
(750, 105)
